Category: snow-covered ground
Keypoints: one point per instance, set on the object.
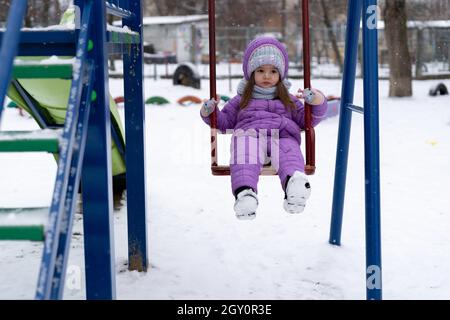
(318, 70)
(199, 250)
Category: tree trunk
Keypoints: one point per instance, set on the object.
(58, 13)
(29, 17)
(400, 80)
(112, 61)
(46, 12)
(419, 53)
(4, 9)
(283, 20)
(331, 35)
(448, 56)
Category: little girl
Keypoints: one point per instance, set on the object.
(264, 114)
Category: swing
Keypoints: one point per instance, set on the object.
(267, 170)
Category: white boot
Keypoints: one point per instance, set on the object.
(246, 204)
(298, 191)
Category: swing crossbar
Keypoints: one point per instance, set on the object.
(355, 108)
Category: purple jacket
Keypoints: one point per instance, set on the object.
(267, 114)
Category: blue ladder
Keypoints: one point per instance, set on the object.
(368, 9)
(85, 142)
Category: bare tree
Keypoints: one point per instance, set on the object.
(173, 7)
(42, 13)
(46, 10)
(194, 6)
(4, 8)
(326, 11)
(30, 17)
(400, 81)
(428, 10)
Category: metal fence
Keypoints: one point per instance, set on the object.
(429, 48)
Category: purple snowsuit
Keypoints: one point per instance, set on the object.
(263, 129)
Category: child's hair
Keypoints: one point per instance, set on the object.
(281, 93)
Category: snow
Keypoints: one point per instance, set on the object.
(36, 216)
(169, 19)
(38, 134)
(52, 60)
(174, 19)
(123, 29)
(199, 250)
(322, 70)
(420, 24)
(70, 27)
(59, 27)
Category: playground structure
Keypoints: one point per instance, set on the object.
(357, 9)
(186, 74)
(84, 146)
(85, 155)
(367, 11)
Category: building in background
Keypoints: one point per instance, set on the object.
(176, 36)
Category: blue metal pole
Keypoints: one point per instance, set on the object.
(135, 145)
(97, 175)
(9, 46)
(345, 118)
(37, 114)
(67, 143)
(371, 150)
(65, 235)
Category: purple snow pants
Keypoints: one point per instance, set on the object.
(250, 152)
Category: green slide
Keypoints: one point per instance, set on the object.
(52, 96)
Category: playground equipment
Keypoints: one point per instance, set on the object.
(152, 100)
(24, 229)
(157, 100)
(368, 10)
(187, 100)
(46, 101)
(186, 74)
(119, 99)
(12, 105)
(84, 143)
(310, 166)
(439, 89)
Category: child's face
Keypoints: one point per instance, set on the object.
(267, 76)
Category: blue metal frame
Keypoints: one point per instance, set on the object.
(65, 157)
(97, 177)
(355, 108)
(9, 47)
(135, 145)
(67, 218)
(87, 153)
(40, 118)
(372, 150)
(46, 43)
(345, 118)
(62, 42)
(368, 9)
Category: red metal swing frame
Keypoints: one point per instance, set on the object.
(310, 166)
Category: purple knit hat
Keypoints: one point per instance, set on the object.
(265, 50)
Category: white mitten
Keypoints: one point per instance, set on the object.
(208, 107)
(312, 97)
